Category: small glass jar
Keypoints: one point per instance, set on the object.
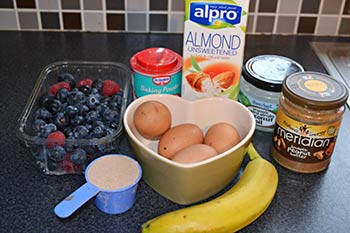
(261, 86)
(308, 120)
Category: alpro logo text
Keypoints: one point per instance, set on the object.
(215, 13)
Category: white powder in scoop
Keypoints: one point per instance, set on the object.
(113, 172)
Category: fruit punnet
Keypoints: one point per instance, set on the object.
(73, 109)
(230, 212)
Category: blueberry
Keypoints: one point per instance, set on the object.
(44, 100)
(77, 120)
(88, 126)
(57, 153)
(68, 132)
(99, 131)
(62, 94)
(38, 126)
(68, 78)
(76, 97)
(110, 131)
(86, 89)
(95, 91)
(101, 108)
(98, 84)
(42, 155)
(52, 165)
(79, 156)
(61, 120)
(54, 106)
(69, 145)
(116, 102)
(93, 101)
(43, 114)
(113, 125)
(71, 111)
(91, 117)
(106, 100)
(80, 132)
(49, 128)
(110, 115)
(83, 109)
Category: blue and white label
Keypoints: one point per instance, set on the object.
(210, 13)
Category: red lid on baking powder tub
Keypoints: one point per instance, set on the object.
(156, 61)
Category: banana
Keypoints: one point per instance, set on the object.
(230, 212)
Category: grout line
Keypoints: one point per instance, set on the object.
(126, 21)
(318, 17)
(104, 16)
(340, 17)
(275, 23)
(16, 14)
(168, 16)
(255, 19)
(148, 29)
(295, 31)
(38, 15)
(60, 15)
(82, 18)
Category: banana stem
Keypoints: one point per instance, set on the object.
(252, 153)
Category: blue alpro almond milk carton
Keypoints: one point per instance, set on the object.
(213, 48)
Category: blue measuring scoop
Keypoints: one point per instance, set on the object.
(108, 201)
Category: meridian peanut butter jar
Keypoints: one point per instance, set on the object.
(308, 120)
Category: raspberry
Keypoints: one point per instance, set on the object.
(55, 138)
(54, 88)
(68, 166)
(84, 82)
(110, 88)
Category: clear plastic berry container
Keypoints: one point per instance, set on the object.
(66, 129)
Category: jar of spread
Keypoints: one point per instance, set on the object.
(261, 86)
(308, 120)
(156, 71)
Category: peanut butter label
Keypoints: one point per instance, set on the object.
(302, 142)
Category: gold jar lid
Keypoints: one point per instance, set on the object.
(314, 90)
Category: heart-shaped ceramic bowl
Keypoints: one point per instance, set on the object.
(190, 183)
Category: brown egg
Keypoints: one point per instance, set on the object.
(179, 137)
(222, 136)
(194, 153)
(152, 119)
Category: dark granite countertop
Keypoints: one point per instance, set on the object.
(303, 203)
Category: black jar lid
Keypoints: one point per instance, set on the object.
(267, 72)
(315, 91)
